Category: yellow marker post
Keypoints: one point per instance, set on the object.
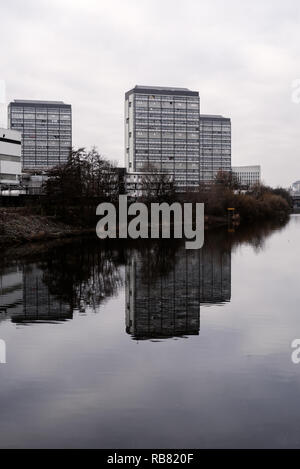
(230, 211)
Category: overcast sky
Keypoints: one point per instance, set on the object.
(242, 56)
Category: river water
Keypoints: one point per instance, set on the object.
(148, 345)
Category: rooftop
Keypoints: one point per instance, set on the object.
(37, 101)
(251, 167)
(163, 90)
(212, 116)
(160, 88)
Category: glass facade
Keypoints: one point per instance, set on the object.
(163, 132)
(46, 128)
(247, 176)
(215, 148)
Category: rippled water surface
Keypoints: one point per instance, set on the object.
(151, 345)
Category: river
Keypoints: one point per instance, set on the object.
(149, 345)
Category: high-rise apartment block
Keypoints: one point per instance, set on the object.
(162, 133)
(215, 146)
(165, 132)
(46, 128)
(10, 158)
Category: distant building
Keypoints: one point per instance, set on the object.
(46, 128)
(295, 187)
(295, 194)
(121, 180)
(247, 176)
(215, 146)
(162, 133)
(10, 158)
(133, 183)
(138, 183)
(32, 184)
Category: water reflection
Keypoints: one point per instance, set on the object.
(11, 291)
(49, 285)
(165, 284)
(83, 382)
(165, 287)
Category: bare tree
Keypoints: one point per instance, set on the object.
(227, 179)
(85, 174)
(86, 177)
(155, 185)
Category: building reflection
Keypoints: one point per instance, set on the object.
(55, 283)
(39, 304)
(163, 299)
(25, 297)
(11, 291)
(165, 283)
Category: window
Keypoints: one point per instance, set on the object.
(7, 176)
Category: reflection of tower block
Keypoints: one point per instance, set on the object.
(215, 280)
(11, 292)
(38, 303)
(166, 305)
(130, 293)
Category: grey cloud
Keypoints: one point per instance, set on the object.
(241, 56)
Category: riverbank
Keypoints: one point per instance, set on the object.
(20, 225)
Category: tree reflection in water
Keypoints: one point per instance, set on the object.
(49, 282)
(85, 274)
(165, 283)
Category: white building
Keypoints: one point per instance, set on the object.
(33, 183)
(141, 183)
(295, 187)
(247, 176)
(10, 158)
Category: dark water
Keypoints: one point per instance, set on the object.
(150, 345)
